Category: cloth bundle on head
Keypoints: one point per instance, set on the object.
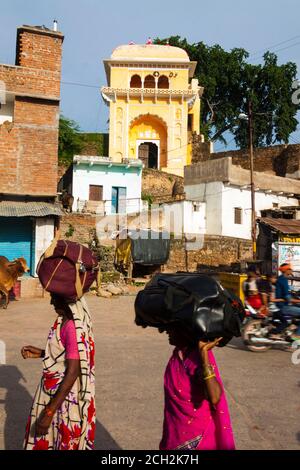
(197, 301)
(67, 269)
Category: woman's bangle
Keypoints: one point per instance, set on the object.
(208, 370)
(43, 353)
(209, 376)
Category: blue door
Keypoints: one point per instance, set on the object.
(114, 200)
(16, 238)
(118, 200)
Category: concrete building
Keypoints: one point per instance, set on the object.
(29, 114)
(154, 105)
(225, 189)
(105, 187)
(184, 218)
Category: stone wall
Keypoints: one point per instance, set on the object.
(200, 150)
(216, 250)
(278, 159)
(78, 227)
(61, 170)
(81, 228)
(159, 185)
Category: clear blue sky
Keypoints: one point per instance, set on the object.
(93, 28)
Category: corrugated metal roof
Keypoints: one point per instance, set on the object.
(287, 226)
(26, 209)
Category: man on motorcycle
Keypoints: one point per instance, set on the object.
(270, 289)
(287, 305)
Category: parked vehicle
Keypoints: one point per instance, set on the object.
(256, 330)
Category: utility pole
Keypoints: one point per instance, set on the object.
(253, 216)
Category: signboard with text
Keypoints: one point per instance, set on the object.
(286, 253)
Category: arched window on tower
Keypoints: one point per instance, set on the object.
(163, 82)
(149, 82)
(136, 81)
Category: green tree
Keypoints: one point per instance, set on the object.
(69, 141)
(229, 83)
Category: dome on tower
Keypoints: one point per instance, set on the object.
(150, 52)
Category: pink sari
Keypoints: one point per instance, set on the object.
(190, 421)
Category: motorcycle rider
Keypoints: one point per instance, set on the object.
(287, 305)
(271, 293)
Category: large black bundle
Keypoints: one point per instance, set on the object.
(196, 301)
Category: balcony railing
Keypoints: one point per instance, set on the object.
(110, 207)
(189, 92)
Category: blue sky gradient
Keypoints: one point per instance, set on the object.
(93, 28)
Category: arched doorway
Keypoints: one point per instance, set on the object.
(148, 152)
(148, 140)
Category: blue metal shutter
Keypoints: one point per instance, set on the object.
(16, 235)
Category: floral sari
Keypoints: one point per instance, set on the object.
(190, 421)
(73, 424)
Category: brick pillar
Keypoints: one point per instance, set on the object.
(28, 145)
(39, 48)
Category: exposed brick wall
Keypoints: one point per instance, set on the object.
(30, 81)
(37, 162)
(216, 250)
(39, 49)
(9, 142)
(41, 113)
(278, 159)
(28, 160)
(28, 145)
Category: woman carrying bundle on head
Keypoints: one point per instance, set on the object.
(62, 415)
(198, 314)
(196, 415)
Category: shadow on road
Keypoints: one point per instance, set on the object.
(17, 403)
(237, 343)
(103, 440)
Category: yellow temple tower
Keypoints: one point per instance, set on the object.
(154, 105)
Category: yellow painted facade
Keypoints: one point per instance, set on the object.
(154, 105)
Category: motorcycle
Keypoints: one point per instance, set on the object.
(258, 327)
